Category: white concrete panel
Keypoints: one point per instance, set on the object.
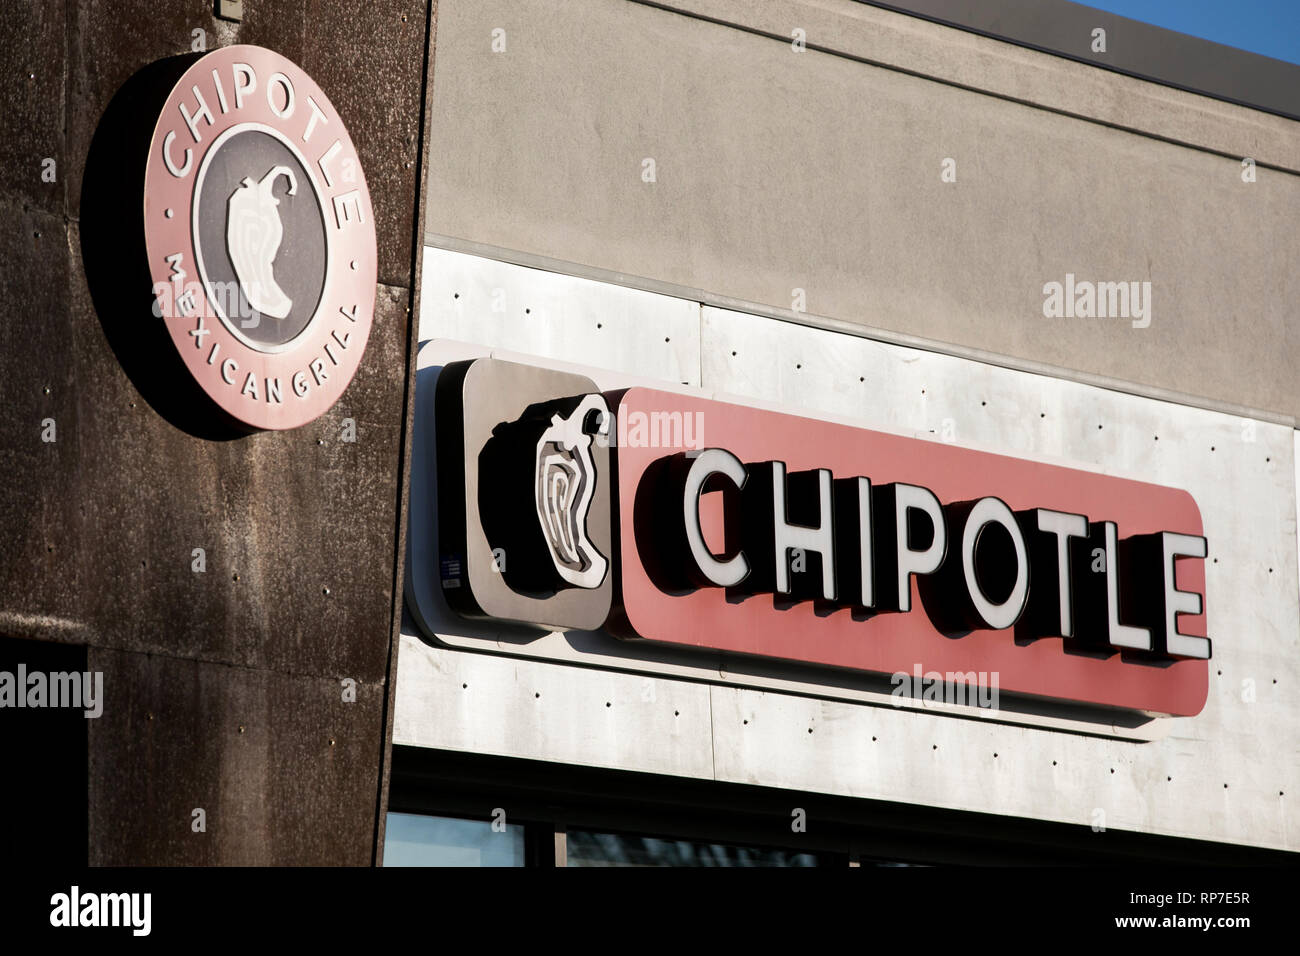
(485, 704)
(500, 305)
(929, 759)
(1241, 473)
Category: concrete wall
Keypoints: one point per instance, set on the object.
(777, 171)
(1228, 774)
(222, 688)
(820, 170)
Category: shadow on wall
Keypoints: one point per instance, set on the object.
(116, 262)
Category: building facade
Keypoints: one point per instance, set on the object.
(813, 230)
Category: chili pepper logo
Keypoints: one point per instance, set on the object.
(537, 482)
(564, 479)
(253, 235)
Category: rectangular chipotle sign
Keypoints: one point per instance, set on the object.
(804, 540)
(679, 520)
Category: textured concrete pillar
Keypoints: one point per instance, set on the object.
(224, 689)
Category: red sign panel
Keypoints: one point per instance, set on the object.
(1128, 522)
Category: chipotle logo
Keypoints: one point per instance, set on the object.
(808, 541)
(260, 237)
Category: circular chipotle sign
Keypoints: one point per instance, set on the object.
(260, 236)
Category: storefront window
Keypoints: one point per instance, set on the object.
(413, 839)
(586, 848)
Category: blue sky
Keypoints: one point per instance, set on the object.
(1269, 27)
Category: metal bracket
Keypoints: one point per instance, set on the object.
(230, 10)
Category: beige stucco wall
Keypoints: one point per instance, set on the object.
(778, 170)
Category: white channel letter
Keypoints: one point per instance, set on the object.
(1121, 635)
(915, 498)
(1176, 601)
(820, 539)
(710, 462)
(989, 511)
(1065, 526)
(866, 547)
